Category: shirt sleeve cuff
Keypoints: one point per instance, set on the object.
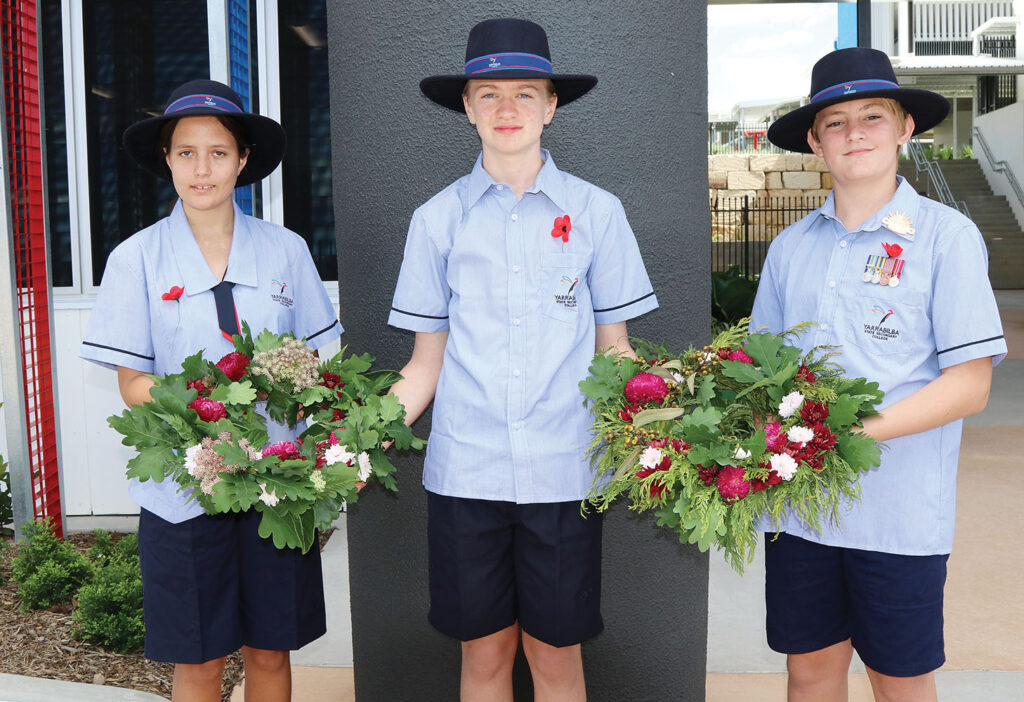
(324, 335)
(111, 357)
(417, 322)
(970, 350)
(626, 310)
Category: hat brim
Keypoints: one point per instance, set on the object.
(267, 139)
(447, 90)
(790, 131)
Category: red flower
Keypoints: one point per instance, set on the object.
(723, 353)
(732, 485)
(283, 449)
(774, 439)
(234, 365)
(740, 355)
(823, 439)
(707, 474)
(562, 228)
(337, 415)
(208, 410)
(893, 250)
(173, 294)
(646, 387)
(200, 387)
(331, 380)
(680, 446)
(812, 412)
(805, 374)
(657, 489)
(658, 443)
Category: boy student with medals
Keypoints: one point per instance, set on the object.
(513, 275)
(899, 284)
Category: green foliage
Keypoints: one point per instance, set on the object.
(48, 570)
(966, 151)
(732, 295)
(105, 551)
(109, 611)
(944, 153)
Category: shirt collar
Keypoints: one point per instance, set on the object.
(904, 201)
(196, 273)
(548, 181)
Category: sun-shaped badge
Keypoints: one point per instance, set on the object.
(899, 223)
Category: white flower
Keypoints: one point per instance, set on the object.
(679, 380)
(364, 467)
(191, 454)
(269, 498)
(338, 454)
(651, 457)
(784, 464)
(740, 453)
(800, 435)
(709, 357)
(317, 478)
(790, 404)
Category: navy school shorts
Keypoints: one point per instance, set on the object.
(888, 605)
(211, 584)
(493, 564)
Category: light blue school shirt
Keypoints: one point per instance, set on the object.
(277, 287)
(942, 313)
(520, 307)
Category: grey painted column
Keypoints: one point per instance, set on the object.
(639, 134)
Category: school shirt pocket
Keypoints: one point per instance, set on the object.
(562, 278)
(886, 321)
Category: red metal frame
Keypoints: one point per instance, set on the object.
(25, 173)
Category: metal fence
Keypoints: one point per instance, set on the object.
(743, 227)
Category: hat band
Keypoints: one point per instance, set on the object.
(853, 87)
(210, 101)
(508, 62)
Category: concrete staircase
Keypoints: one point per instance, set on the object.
(991, 213)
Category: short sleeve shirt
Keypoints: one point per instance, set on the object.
(276, 287)
(941, 313)
(520, 307)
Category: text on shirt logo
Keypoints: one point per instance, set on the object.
(878, 331)
(568, 298)
(279, 297)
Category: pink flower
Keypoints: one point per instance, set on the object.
(208, 410)
(732, 483)
(199, 386)
(741, 356)
(282, 449)
(173, 294)
(774, 439)
(646, 387)
(234, 365)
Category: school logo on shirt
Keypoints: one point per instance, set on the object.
(279, 297)
(881, 331)
(567, 297)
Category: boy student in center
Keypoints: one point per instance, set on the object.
(512, 277)
(899, 283)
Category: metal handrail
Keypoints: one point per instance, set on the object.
(936, 179)
(1001, 166)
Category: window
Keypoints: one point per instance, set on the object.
(56, 143)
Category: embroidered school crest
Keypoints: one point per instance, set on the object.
(279, 296)
(566, 294)
(882, 327)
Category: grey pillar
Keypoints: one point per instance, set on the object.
(640, 134)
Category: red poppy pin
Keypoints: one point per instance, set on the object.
(562, 228)
(173, 294)
(893, 250)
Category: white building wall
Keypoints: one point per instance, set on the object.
(1003, 131)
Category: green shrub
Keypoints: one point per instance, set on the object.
(944, 153)
(109, 609)
(732, 295)
(48, 570)
(966, 151)
(106, 551)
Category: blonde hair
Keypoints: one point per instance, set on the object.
(893, 107)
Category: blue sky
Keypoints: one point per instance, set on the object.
(764, 51)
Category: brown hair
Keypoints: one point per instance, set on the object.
(893, 107)
(548, 83)
(233, 126)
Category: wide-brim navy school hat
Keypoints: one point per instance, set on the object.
(208, 97)
(506, 49)
(854, 74)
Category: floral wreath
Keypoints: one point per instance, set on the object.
(725, 440)
(205, 428)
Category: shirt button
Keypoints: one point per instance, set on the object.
(517, 426)
(515, 217)
(842, 244)
(516, 372)
(516, 321)
(824, 327)
(515, 269)
(499, 186)
(831, 283)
